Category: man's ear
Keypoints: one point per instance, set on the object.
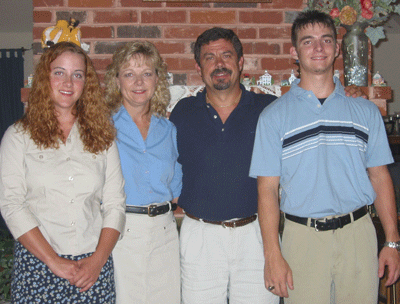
(241, 63)
(337, 51)
(293, 53)
(198, 69)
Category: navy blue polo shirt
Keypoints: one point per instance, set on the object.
(216, 157)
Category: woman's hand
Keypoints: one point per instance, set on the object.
(63, 268)
(89, 271)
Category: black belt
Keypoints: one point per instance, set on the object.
(152, 210)
(230, 223)
(328, 224)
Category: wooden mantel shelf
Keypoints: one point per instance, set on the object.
(378, 95)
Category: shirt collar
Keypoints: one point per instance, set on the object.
(244, 99)
(123, 114)
(339, 89)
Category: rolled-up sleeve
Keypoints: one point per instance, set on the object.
(14, 209)
(113, 200)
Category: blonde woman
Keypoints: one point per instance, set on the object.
(147, 259)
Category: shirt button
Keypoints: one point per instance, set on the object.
(68, 158)
(215, 116)
(147, 172)
(144, 151)
(72, 223)
(128, 230)
(94, 156)
(208, 106)
(319, 106)
(309, 95)
(69, 140)
(72, 201)
(71, 178)
(223, 129)
(40, 156)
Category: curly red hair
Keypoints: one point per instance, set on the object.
(96, 129)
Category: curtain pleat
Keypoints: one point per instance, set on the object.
(11, 82)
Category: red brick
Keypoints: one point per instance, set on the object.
(266, 48)
(284, 4)
(115, 16)
(261, 48)
(96, 32)
(247, 33)
(180, 63)
(91, 3)
(263, 17)
(170, 47)
(183, 32)
(47, 3)
(212, 17)
(278, 32)
(277, 64)
(41, 16)
(101, 64)
(286, 48)
(338, 64)
(163, 17)
(140, 3)
(37, 32)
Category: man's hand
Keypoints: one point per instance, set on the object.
(389, 257)
(278, 274)
(354, 91)
(89, 271)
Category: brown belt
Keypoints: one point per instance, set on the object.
(228, 223)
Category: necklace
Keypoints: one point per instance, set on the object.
(226, 106)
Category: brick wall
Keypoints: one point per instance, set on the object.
(264, 29)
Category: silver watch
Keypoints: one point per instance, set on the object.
(395, 245)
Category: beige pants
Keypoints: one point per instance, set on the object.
(340, 264)
(146, 261)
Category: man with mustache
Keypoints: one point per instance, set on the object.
(221, 246)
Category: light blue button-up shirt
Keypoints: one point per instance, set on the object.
(150, 168)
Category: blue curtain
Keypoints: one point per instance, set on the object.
(11, 82)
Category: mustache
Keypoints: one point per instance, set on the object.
(221, 70)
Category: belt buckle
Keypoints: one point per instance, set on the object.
(149, 209)
(316, 226)
(319, 221)
(223, 224)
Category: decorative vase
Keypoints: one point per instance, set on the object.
(355, 55)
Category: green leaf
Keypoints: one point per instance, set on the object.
(375, 34)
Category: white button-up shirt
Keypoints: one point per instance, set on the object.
(69, 193)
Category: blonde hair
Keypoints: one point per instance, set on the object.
(113, 96)
(93, 116)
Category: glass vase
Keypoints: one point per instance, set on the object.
(355, 55)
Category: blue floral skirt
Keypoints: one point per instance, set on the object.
(33, 282)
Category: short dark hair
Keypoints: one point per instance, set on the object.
(311, 17)
(215, 34)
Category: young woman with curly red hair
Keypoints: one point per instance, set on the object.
(61, 185)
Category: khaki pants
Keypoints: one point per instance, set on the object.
(146, 261)
(338, 264)
(219, 263)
